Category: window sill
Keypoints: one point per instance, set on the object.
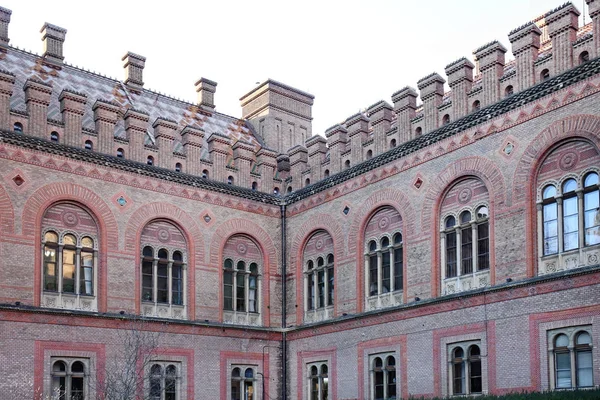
(384, 300)
(241, 318)
(464, 283)
(320, 314)
(581, 257)
(163, 310)
(69, 301)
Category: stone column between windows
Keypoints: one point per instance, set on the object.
(392, 268)
(154, 280)
(551, 365)
(540, 230)
(315, 289)
(580, 223)
(184, 268)
(474, 246)
(379, 272)
(95, 274)
(170, 283)
(367, 277)
(458, 256)
(306, 296)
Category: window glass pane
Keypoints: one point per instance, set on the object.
(76, 388)
(320, 262)
(331, 278)
(86, 273)
(584, 369)
(252, 294)
(584, 338)
(465, 217)
(50, 282)
(69, 240)
(591, 179)
(592, 217)
(385, 242)
(373, 290)
(398, 269)
(311, 291)
(228, 264)
(378, 377)
(549, 192)
(254, 269)
(563, 370)
(482, 212)
(321, 289)
(177, 285)
(476, 386)
(459, 383)
(385, 271)
(450, 254)
(148, 252)
(372, 245)
(450, 222)
(162, 283)
(147, 283)
(87, 242)
(569, 186)
(550, 228)
(570, 223)
(397, 238)
(391, 389)
(310, 265)
(68, 269)
(177, 256)
(561, 341)
(466, 236)
(241, 266)
(330, 259)
(240, 292)
(51, 237)
(483, 246)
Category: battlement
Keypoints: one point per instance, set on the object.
(272, 147)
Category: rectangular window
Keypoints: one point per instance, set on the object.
(252, 294)
(240, 292)
(330, 276)
(50, 269)
(592, 218)
(550, 215)
(398, 269)
(385, 271)
(563, 370)
(321, 287)
(483, 246)
(85, 273)
(177, 284)
(162, 283)
(311, 291)
(68, 266)
(450, 254)
(147, 285)
(466, 251)
(570, 224)
(228, 290)
(373, 290)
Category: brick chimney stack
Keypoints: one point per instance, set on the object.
(594, 10)
(206, 93)
(432, 92)
(525, 42)
(53, 37)
(563, 23)
(4, 21)
(134, 71)
(491, 58)
(405, 104)
(460, 79)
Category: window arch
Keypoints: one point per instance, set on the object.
(509, 91)
(18, 127)
(568, 207)
(383, 377)
(384, 258)
(164, 381)
(205, 174)
(150, 160)
(243, 382)
(465, 369)
(393, 143)
(318, 381)
(476, 105)
(163, 270)
(418, 131)
(545, 75)
(326, 173)
(54, 136)
(584, 57)
(465, 236)
(571, 360)
(307, 182)
(445, 119)
(69, 257)
(242, 279)
(120, 153)
(88, 145)
(347, 164)
(178, 167)
(319, 276)
(69, 378)
(369, 154)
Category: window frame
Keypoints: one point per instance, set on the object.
(247, 275)
(465, 363)
(315, 288)
(68, 376)
(386, 371)
(162, 380)
(171, 264)
(376, 253)
(320, 380)
(243, 381)
(573, 351)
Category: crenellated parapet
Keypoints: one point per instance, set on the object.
(460, 80)
(525, 42)
(317, 150)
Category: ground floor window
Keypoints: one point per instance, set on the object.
(318, 381)
(570, 352)
(69, 378)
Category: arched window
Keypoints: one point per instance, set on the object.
(205, 174)
(509, 91)
(369, 154)
(18, 127)
(571, 358)
(568, 207)
(418, 131)
(164, 381)
(88, 145)
(319, 276)
(307, 182)
(584, 57)
(242, 260)
(445, 119)
(476, 105)
(243, 383)
(230, 180)
(393, 143)
(384, 257)
(465, 369)
(254, 186)
(465, 236)
(347, 164)
(69, 378)
(383, 377)
(150, 160)
(120, 153)
(54, 136)
(289, 189)
(164, 251)
(276, 191)
(326, 173)
(318, 381)
(545, 75)
(178, 167)
(70, 254)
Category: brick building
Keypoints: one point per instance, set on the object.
(431, 248)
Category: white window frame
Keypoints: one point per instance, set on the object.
(248, 275)
(572, 349)
(312, 276)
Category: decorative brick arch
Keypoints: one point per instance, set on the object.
(319, 222)
(356, 236)
(195, 241)
(31, 220)
(477, 167)
(7, 213)
(576, 127)
(262, 239)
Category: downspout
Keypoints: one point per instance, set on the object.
(282, 207)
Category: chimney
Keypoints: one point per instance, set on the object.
(317, 148)
(432, 92)
(206, 93)
(525, 42)
(4, 21)
(405, 104)
(53, 37)
(380, 115)
(460, 79)
(358, 132)
(594, 11)
(562, 28)
(491, 65)
(134, 69)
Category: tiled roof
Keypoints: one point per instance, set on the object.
(24, 65)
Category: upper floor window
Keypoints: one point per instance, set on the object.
(476, 105)
(69, 378)
(164, 381)
(120, 153)
(243, 383)
(242, 266)
(383, 377)
(88, 145)
(319, 276)
(70, 257)
(18, 127)
(465, 236)
(446, 119)
(544, 75)
(150, 160)
(54, 136)
(384, 258)
(178, 167)
(205, 174)
(465, 369)
(509, 91)
(318, 381)
(570, 353)
(584, 57)
(163, 270)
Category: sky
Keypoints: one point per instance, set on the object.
(348, 54)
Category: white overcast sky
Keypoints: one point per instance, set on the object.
(348, 54)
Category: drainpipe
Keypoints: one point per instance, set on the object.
(283, 302)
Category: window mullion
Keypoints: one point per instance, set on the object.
(154, 280)
(247, 291)
(184, 268)
(234, 290)
(560, 222)
(474, 247)
(458, 252)
(170, 282)
(443, 255)
(580, 219)
(77, 268)
(379, 272)
(573, 367)
(326, 286)
(392, 269)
